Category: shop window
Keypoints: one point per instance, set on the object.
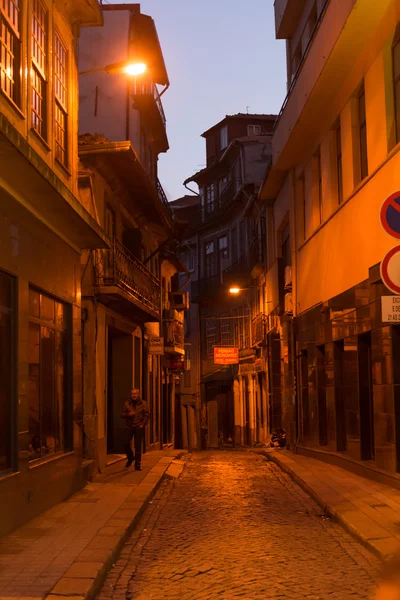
(48, 396)
(7, 363)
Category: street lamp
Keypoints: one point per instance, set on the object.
(132, 68)
(236, 290)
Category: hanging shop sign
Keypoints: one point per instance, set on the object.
(390, 270)
(390, 309)
(174, 363)
(390, 215)
(226, 356)
(156, 345)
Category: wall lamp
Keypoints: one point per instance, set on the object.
(132, 68)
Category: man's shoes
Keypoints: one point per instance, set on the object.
(138, 467)
(128, 463)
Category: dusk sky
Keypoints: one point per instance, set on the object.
(222, 58)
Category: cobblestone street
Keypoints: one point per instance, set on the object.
(236, 526)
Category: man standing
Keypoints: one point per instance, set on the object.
(136, 415)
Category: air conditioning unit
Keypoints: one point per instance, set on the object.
(288, 304)
(288, 277)
(179, 300)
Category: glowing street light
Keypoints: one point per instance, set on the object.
(234, 290)
(132, 69)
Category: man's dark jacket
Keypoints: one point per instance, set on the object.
(135, 413)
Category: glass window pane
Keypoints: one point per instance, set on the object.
(46, 308)
(34, 303)
(34, 391)
(49, 417)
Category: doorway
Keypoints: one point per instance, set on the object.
(119, 383)
(367, 441)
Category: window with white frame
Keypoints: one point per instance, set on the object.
(39, 68)
(223, 134)
(10, 49)
(253, 129)
(211, 335)
(211, 197)
(223, 246)
(61, 100)
(226, 330)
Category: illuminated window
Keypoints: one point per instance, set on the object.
(10, 41)
(226, 330)
(39, 68)
(61, 115)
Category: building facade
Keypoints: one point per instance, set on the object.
(43, 229)
(227, 248)
(335, 160)
(128, 298)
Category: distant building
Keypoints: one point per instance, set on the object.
(335, 159)
(227, 247)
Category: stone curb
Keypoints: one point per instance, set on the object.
(94, 588)
(273, 455)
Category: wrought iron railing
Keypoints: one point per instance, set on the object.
(163, 197)
(121, 269)
(174, 334)
(258, 329)
(245, 263)
(148, 88)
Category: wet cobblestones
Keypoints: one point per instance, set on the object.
(236, 526)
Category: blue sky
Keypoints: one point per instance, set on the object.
(222, 57)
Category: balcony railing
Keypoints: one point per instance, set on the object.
(119, 268)
(258, 329)
(148, 88)
(174, 335)
(217, 208)
(244, 265)
(163, 197)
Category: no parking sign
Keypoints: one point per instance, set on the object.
(390, 221)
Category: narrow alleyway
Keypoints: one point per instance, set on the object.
(234, 525)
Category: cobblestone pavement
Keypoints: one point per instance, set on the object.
(236, 526)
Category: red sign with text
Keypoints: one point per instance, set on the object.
(226, 356)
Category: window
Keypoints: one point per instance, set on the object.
(253, 129)
(362, 123)
(10, 51)
(210, 198)
(339, 165)
(48, 345)
(110, 221)
(396, 80)
(226, 330)
(7, 363)
(286, 249)
(223, 137)
(222, 185)
(223, 246)
(319, 182)
(60, 83)
(190, 260)
(301, 202)
(211, 335)
(210, 267)
(39, 68)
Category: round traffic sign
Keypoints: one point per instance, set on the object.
(390, 270)
(390, 215)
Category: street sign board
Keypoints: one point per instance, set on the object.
(226, 356)
(390, 270)
(156, 345)
(390, 309)
(390, 215)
